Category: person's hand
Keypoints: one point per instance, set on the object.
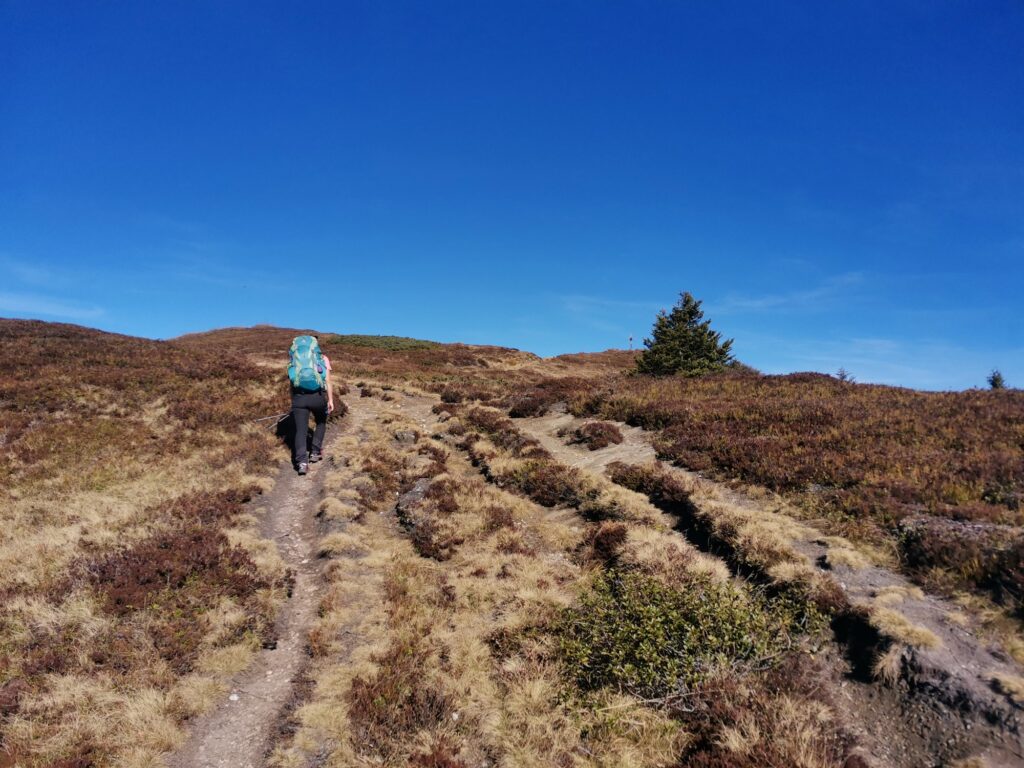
(330, 406)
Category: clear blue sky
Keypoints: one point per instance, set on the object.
(841, 183)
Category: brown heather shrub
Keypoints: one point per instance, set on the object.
(393, 703)
(665, 491)
(536, 400)
(438, 456)
(550, 483)
(863, 451)
(424, 515)
(595, 435)
(777, 718)
(176, 576)
(432, 538)
(978, 555)
(452, 394)
(498, 517)
(384, 469)
(340, 411)
(504, 433)
(11, 692)
(604, 543)
(442, 754)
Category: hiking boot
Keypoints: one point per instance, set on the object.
(315, 456)
(303, 468)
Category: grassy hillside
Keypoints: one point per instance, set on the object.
(130, 583)
(937, 478)
(395, 357)
(519, 610)
(883, 463)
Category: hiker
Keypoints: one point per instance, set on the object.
(309, 371)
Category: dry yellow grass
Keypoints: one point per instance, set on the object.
(894, 595)
(845, 556)
(794, 728)
(340, 544)
(889, 665)
(333, 508)
(895, 625)
(970, 762)
(958, 618)
(1011, 685)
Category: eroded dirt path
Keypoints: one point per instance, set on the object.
(239, 732)
(943, 703)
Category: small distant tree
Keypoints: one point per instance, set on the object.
(996, 380)
(683, 342)
(844, 375)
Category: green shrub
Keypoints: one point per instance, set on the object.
(633, 633)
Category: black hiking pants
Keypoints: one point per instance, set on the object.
(302, 405)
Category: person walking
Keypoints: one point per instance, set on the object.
(309, 371)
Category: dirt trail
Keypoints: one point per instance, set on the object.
(945, 703)
(238, 733)
(241, 731)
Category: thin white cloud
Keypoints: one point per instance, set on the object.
(611, 316)
(823, 296)
(23, 272)
(581, 303)
(36, 305)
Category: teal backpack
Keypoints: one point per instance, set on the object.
(306, 368)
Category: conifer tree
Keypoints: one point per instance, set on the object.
(682, 342)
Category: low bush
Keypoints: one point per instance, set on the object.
(595, 435)
(388, 707)
(549, 483)
(603, 543)
(978, 555)
(504, 433)
(424, 512)
(777, 718)
(536, 400)
(631, 632)
(666, 492)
